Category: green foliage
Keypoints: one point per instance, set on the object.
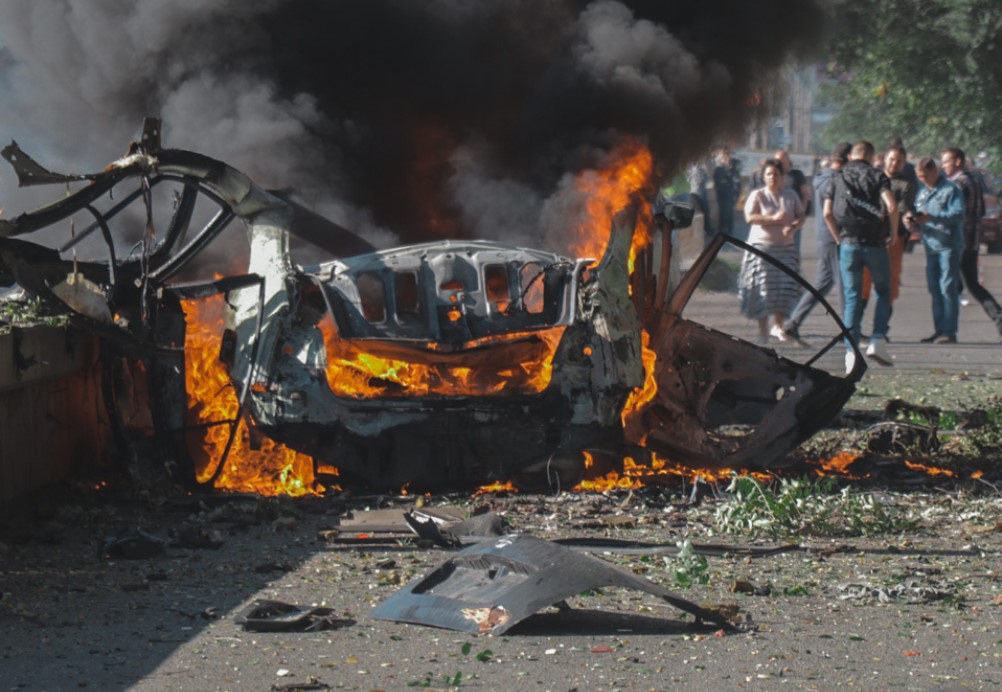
(688, 568)
(482, 656)
(805, 507)
(28, 312)
(929, 71)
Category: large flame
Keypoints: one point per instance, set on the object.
(514, 364)
(524, 363)
(606, 192)
(255, 463)
(517, 364)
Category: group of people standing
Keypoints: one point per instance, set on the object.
(866, 215)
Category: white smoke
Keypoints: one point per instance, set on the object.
(86, 72)
(83, 74)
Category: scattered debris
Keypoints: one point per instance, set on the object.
(195, 537)
(973, 419)
(727, 611)
(308, 685)
(955, 547)
(896, 438)
(627, 547)
(455, 534)
(275, 616)
(749, 587)
(133, 543)
(898, 409)
(909, 591)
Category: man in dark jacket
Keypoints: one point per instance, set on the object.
(908, 170)
(952, 162)
(727, 186)
(852, 210)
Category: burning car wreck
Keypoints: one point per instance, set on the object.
(441, 365)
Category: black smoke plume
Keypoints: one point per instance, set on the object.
(406, 120)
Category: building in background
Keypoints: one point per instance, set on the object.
(791, 119)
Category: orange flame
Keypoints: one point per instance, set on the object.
(495, 487)
(930, 470)
(635, 476)
(659, 472)
(841, 462)
(639, 398)
(385, 369)
(606, 192)
(255, 463)
(839, 465)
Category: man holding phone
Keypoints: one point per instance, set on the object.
(939, 212)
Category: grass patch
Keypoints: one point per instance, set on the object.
(805, 507)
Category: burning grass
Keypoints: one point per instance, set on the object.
(659, 472)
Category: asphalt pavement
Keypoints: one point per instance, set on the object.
(978, 347)
(978, 344)
(69, 620)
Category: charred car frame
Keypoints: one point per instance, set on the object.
(471, 314)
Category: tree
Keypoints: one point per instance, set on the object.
(929, 71)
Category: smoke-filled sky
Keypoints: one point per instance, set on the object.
(403, 120)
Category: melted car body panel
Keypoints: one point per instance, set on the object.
(493, 585)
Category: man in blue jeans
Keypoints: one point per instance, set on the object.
(828, 272)
(940, 212)
(853, 211)
(952, 162)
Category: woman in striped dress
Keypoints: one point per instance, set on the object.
(774, 213)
